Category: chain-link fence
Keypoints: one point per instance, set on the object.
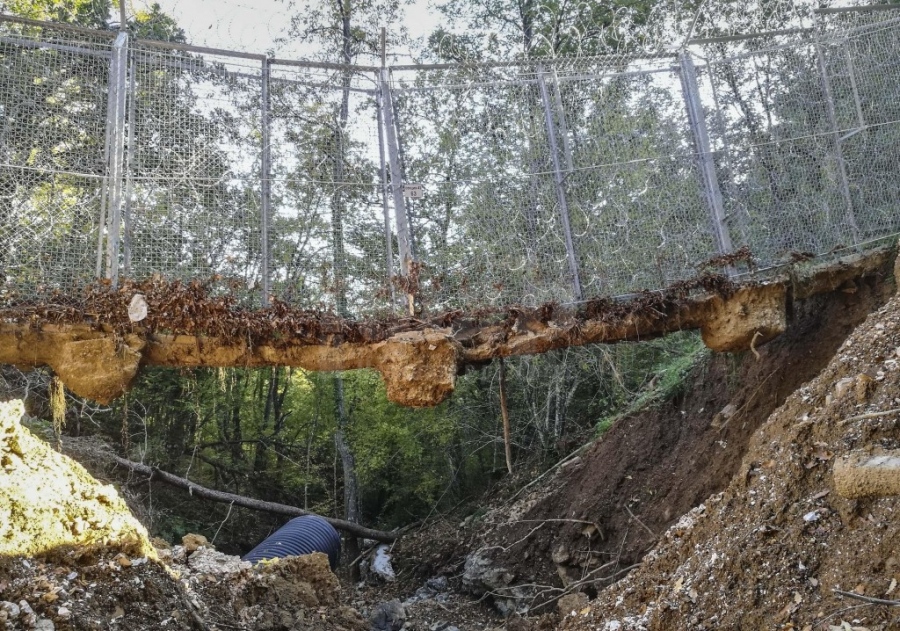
(465, 185)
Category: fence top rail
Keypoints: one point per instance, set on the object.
(29, 43)
(534, 61)
(325, 65)
(190, 48)
(865, 9)
(741, 38)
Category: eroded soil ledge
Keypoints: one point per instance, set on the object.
(97, 351)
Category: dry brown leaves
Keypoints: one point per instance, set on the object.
(211, 308)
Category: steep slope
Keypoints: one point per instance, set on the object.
(775, 548)
(604, 511)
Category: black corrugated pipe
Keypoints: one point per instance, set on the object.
(301, 535)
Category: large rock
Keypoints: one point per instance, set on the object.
(864, 474)
(482, 576)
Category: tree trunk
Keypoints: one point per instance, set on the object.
(348, 462)
(348, 465)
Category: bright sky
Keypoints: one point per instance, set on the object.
(254, 25)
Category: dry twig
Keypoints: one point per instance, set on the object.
(862, 417)
(874, 601)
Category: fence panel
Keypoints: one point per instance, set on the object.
(862, 63)
(781, 177)
(641, 219)
(193, 168)
(53, 105)
(328, 219)
(540, 181)
(488, 229)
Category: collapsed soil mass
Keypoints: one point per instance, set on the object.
(97, 351)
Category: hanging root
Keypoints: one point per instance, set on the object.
(58, 408)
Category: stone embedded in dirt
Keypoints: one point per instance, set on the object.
(208, 561)
(437, 584)
(572, 603)
(482, 576)
(560, 554)
(434, 589)
(193, 542)
(42, 624)
(842, 387)
(867, 474)
(389, 616)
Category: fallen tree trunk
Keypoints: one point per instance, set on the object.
(156, 474)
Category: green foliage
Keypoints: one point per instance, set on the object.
(153, 23)
(529, 28)
(603, 425)
(89, 13)
(658, 371)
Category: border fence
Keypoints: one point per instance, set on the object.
(466, 186)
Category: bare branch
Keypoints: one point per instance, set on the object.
(156, 474)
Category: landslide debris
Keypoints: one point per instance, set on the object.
(582, 527)
(50, 505)
(780, 548)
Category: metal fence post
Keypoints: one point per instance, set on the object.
(265, 181)
(838, 148)
(563, 126)
(710, 182)
(104, 186)
(388, 244)
(129, 173)
(118, 90)
(403, 240)
(560, 185)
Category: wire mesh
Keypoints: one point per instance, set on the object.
(328, 227)
(544, 181)
(53, 100)
(192, 207)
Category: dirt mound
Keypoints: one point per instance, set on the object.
(294, 593)
(48, 502)
(72, 557)
(779, 545)
(606, 509)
